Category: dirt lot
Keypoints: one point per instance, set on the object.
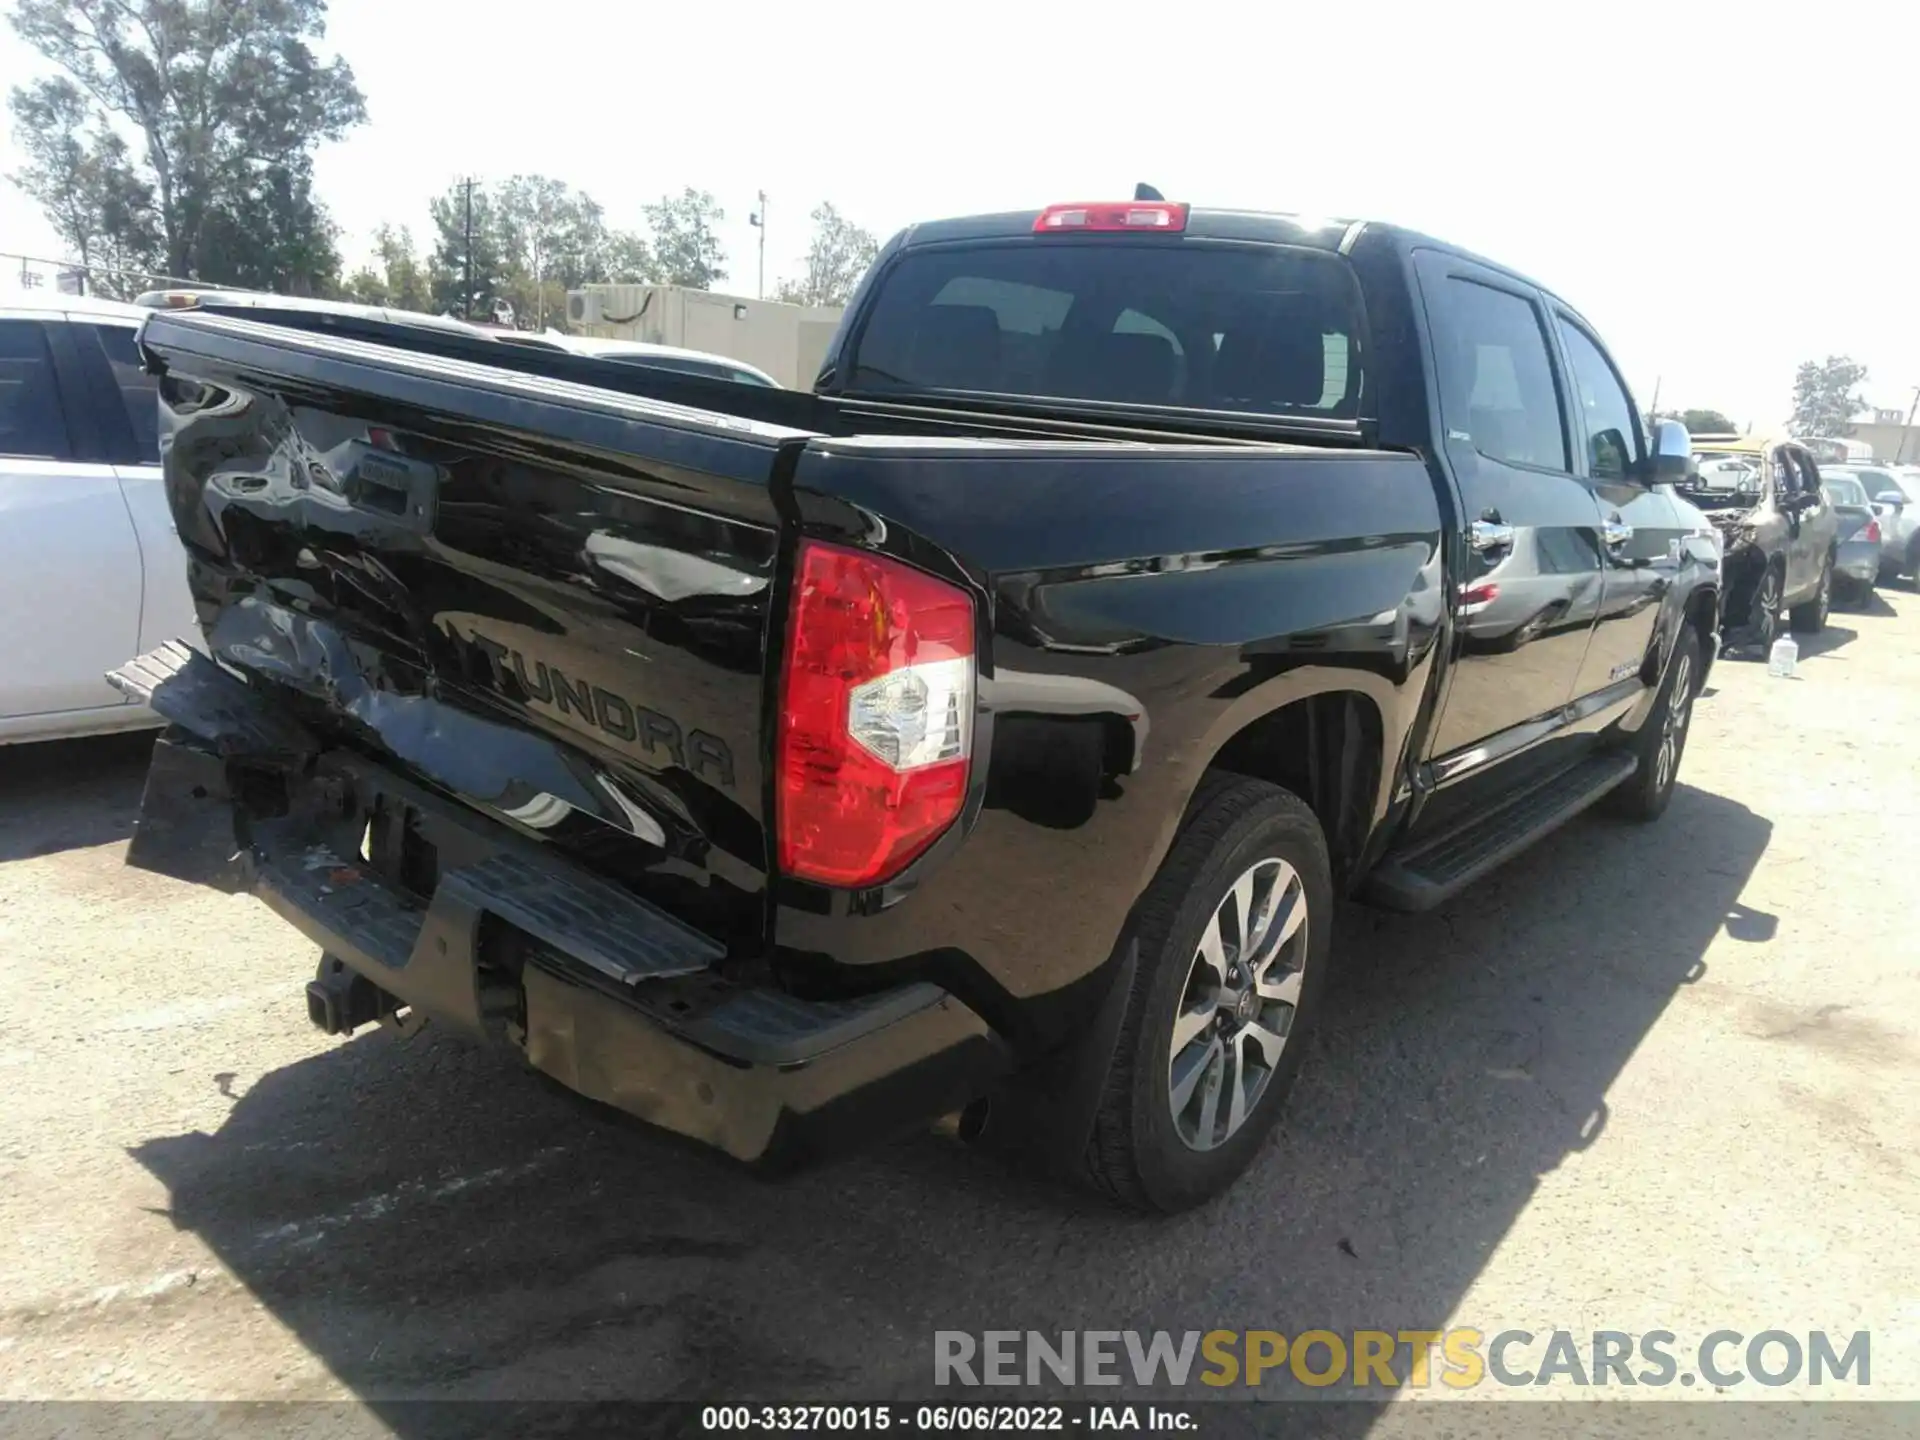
(1644, 1078)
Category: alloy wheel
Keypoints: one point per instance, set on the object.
(1673, 727)
(1236, 1010)
(1768, 605)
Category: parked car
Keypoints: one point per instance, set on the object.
(89, 562)
(1856, 566)
(1893, 491)
(989, 731)
(1780, 537)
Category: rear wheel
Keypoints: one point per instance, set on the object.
(1810, 615)
(1663, 738)
(1233, 943)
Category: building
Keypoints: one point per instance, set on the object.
(1892, 439)
(786, 341)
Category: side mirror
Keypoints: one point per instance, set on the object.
(1890, 497)
(1672, 459)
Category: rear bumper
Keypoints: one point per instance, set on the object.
(1858, 562)
(610, 996)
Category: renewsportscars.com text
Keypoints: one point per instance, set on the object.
(1459, 1359)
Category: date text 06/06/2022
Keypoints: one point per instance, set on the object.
(924, 1419)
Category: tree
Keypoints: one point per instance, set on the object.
(279, 239)
(198, 119)
(686, 251)
(839, 255)
(554, 239)
(622, 258)
(464, 236)
(400, 282)
(81, 173)
(1707, 422)
(1826, 396)
(542, 224)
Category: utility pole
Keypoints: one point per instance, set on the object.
(1901, 449)
(759, 222)
(466, 253)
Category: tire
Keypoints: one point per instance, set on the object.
(1764, 623)
(1809, 617)
(1645, 795)
(1144, 1151)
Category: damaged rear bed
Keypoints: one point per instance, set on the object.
(482, 716)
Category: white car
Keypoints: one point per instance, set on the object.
(92, 572)
(655, 357)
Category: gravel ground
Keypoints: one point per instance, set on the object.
(1642, 1078)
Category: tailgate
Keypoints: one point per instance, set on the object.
(548, 600)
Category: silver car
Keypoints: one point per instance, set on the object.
(1893, 491)
(1856, 563)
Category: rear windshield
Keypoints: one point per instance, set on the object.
(1263, 329)
(1844, 490)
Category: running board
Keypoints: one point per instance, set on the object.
(1440, 867)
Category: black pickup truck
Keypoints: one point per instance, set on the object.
(988, 732)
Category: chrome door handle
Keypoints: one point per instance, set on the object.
(1490, 535)
(1616, 532)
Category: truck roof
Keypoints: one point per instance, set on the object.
(1334, 234)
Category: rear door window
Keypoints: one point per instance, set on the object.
(138, 391)
(33, 424)
(1258, 329)
(1497, 386)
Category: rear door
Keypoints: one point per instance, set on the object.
(1532, 584)
(70, 578)
(127, 402)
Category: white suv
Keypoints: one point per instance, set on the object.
(91, 569)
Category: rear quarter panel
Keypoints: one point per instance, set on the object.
(1139, 607)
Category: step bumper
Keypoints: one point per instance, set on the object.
(608, 994)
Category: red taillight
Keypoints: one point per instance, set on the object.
(876, 716)
(1873, 531)
(1153, 216)
(1475, 598)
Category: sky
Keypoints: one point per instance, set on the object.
(1723, 190)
